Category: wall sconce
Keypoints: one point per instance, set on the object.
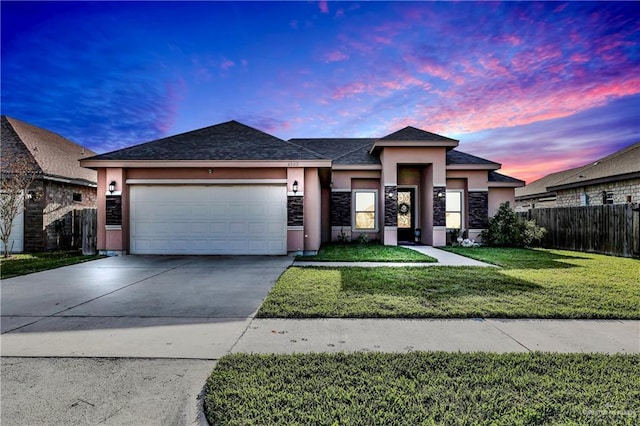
(210, 171)
(294, 187)
(440, 194)
(112, 186)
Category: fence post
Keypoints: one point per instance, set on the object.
(89, 231)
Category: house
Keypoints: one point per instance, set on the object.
(232, 189)
(614, 179)
(61, 187)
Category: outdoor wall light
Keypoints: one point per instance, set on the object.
(294, 187)
(31, 195)
(112, 186)
(440, 194)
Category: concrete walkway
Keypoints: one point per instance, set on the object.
(444, 258)
(285, 336)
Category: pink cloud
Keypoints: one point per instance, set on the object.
(323, 6)
(226, 64)
(335, 56)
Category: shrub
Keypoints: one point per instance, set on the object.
(507, 229)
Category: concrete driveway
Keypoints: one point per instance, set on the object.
(124, 340)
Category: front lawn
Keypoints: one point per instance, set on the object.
(424, 388)
(22, 264)
(532, 284)
(371, 252)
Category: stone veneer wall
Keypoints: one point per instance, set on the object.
(48, 220)
(341, 209)
(439, 206)
(58, 212)
(478, 209)
(295, 210)
(620, 189)
(390, 206)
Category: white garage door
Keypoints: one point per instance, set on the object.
(208, 219)
(16, 238)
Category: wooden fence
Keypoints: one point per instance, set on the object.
(612, 229)
(85, 227)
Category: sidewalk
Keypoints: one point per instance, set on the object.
(444, 258)
(285, 336)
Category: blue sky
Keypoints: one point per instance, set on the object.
(536, 86)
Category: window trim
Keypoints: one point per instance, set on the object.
(376, 209)
(462, 208)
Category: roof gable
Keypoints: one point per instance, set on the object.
(346, 151)
(410, 133)
(225, 141)
(55, 155)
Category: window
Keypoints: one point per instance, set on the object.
(454, 209)
(77, 197)
(364, 211)
(607, 197)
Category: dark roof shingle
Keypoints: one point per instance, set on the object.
(226, 141)
(349, 151)
(499, 177)
(458, 157)
(412, 134)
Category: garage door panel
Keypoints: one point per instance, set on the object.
(208, 219)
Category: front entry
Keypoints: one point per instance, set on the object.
(406, 214)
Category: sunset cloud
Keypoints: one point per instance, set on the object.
(537, 86)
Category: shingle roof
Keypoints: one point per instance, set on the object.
(350, 151)
(539, 187)
(55, 155)
(458, 157)
(412, 134)
(621, 163)
(499, 177)
(225, 141)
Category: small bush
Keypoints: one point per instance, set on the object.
(507, 229)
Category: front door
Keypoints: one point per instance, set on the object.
(406, 214)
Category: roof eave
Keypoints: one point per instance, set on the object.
(356, 167)
(586, 182)
(492, 166)
(534, 196)
(506, 184)
(95, 164)
(449, 144)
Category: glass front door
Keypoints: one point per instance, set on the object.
(406, 214)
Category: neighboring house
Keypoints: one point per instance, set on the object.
(614, 179)
(61, 187)
(232, 189)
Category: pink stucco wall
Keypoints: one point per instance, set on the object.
(203, 173)
(498, 196)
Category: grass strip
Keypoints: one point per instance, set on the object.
(370, 252)
(22, 264)
(424, 388)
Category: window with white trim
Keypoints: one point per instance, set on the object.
(607, 197)
(365, 210)
(453, 212)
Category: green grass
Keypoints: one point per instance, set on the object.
(371, 252)
(22, 264)
(532, 284)
(424, 388)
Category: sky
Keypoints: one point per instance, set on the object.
(536, 86)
